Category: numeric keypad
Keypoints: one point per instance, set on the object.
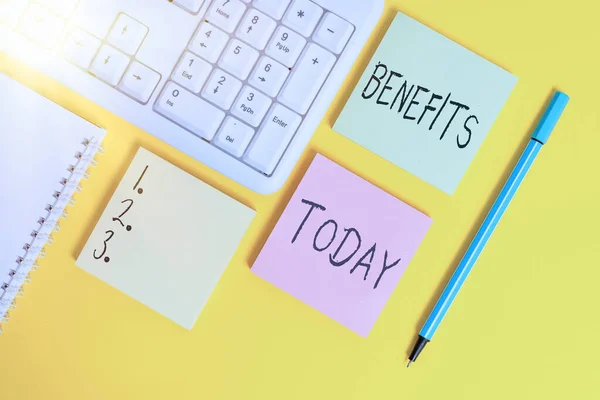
(257, 61)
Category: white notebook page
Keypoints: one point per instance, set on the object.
(38, 142)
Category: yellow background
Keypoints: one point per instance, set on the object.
(525, 326)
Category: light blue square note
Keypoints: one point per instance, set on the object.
(425, 103)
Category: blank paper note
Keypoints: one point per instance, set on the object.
(165, 238)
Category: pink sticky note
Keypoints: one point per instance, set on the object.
(341, 245)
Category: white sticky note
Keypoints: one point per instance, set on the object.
(425, 103)
(165, 238)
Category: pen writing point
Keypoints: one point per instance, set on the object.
(409, 362)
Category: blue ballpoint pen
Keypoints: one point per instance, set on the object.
(538, 139)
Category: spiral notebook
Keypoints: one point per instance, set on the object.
(45, 152)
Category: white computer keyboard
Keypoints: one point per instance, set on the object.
(239, 85)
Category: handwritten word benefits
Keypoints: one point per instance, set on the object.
(420, 104)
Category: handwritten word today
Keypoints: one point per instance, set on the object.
(347, 249)
(396, 92)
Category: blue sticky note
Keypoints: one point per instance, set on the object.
(425, 103)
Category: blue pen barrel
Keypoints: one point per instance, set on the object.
(538, 139)
(480, 239)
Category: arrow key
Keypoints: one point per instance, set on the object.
(256, 29)
(127, 34)
(80, 47)
(269, 76)
(109, 65)
(221, 89)
(139, 82)
(209, 42)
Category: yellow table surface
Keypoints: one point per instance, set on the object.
(525, 326)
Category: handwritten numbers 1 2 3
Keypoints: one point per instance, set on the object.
(121, 219)
(110, 235)
(118, 219)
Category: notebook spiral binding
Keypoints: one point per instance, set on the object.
(11, 287)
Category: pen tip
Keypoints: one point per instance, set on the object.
(409, 362)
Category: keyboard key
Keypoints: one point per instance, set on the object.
(256, 29)
(234, 137)
(307, 78)
(226, 14)
(286, 46)
(127, 34)
(272, 139)
(269, 76)
(192, 6)
(63, 8)
(11, 11)
(80, 47)
(333, 33)
(239, 59)
(109, 65)
(189, 111)
(42, 26)
(274, 8)
(222, 89)
(192, 72)
(209, 42)
(139, 82)
(251, 106)
(303, 16)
